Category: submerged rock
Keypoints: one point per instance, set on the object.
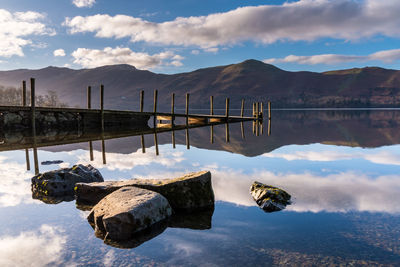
(62, 182)
(269, 198)
(127, 211)
(191, 192)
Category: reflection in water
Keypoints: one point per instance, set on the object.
(43, 247)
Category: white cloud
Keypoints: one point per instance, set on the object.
(40, 248)
(83, 3)
(90, 58)
(15, 29)
(195, 52)
(304, 20)
(386, 56)
(59, 53)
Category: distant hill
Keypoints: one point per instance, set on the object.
(251, 79)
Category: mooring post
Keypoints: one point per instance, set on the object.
(156, 142)
(261, 110)
(91, 151)
(269, 127)
(211, 105)
(187, 109)
(141, 100)
(227, 132)
(28, 163)
(143, 146)
(242, 129)
(173, 139)
(227, 109)
(103, 149)
(172, 109)
(102, 106)
(257, 111)
(187, 139)
(269, 110)
(155, 108)
(89, 97)
(212, 134)
(254, 109)
(24, 93)
(242, 109)
(33, 106)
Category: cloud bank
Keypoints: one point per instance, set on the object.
(386, 56)
(15, 29)
(91, 58)
(304, 20)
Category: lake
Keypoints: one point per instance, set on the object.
(341, 167)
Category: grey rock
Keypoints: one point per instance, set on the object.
(127, 211)
(11, 118)
(191, 192)
(269, 198)
(62, 182)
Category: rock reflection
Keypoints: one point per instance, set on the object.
(195, 221)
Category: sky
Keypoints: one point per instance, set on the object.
(184, 35)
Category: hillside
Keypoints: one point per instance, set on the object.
(251, 79)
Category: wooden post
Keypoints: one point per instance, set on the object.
(212, 134)
(102, 106)
(227, 132)
(89, 97)
(269, 127)
(141, 100)
(257, 127)
(155, 108)
(91, 150)
(143, 145)
(33, 106)
(173, 139)
(261, 110)
(156, 143)
(211, 105)
(254, 127)
(257, 111)
(173, 109)
(227, 108)
(28, 163)
(24, 93)
(103, 150)
(242, 109)
(261, 128)
(187, 139)
(187, 109)
(35, 158)
(269, 110)
(242, 130)
(254, 109)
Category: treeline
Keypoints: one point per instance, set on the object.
(11, 96)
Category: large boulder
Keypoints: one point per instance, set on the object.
(62, 182)
(191, 192)
(269, 198)
(127, 211)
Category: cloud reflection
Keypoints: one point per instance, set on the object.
(40, 248)
(343, 192)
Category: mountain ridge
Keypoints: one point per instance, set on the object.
(251, 79)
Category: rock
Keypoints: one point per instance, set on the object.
(11, 118)
(127, 211)
(191, 192)
(269, 198)
(200, 220)
(62, 182)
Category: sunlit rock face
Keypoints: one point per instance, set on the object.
(62, 182)
(269, 198)
(127, 211)
(191, 192)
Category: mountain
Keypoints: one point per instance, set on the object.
(252, 80)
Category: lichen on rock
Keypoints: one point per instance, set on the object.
(269, 198)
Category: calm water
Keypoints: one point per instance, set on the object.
(342, 169)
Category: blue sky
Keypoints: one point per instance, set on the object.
(183, 35)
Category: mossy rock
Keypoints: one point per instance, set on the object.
(269, 198)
